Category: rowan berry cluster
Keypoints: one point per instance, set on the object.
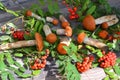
(85, 65)
(19, 35)
(107, 60)
(73, 13)
(40, 63)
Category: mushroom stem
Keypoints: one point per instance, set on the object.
(82, 38)
(62, 18)
(65, 40)
(52, 20)
(94, 42)
(18, 44)
(36, 16)
(47, 30)
(105, 19)
(64, 21)
(60, 31)
(38, 42)
(112, 22)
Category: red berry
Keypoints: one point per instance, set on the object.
(75, 9)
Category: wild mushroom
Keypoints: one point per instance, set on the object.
(38, 42)
(50, 37)
(82, 38)
(30, 13)
(52, 20)
(103, 34)
(67, 31)
(105, 25)
(64, 21)
(65, 41)
(89, 23)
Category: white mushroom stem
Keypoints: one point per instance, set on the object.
(36, 16)
(105, 19)
(62, 18)
(94, 42)
(49, 19)
(112, 22)
(65, 40)
(47, 30)
(18, 44)
(60, 32)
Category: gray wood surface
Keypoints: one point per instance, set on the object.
(49, 72)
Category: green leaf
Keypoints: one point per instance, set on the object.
(91, 10)
(2, 64)
(40, 12)
(37, 24)
(107, 78)
(18, 55)
(22, 69)
(4, 75)
(5, 37)
(10, 76)
(9, 58)
(118, 60)
(36, 72)
(117, 69)
(17, 64)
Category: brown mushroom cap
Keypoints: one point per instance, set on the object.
(39, 41)
(103, 34)
(55, 22)
(51, 38)
(104, 25)
(89, 23)
(81, 37)
(61, 49)
(68, 31)
(64, 24)
(28, 13)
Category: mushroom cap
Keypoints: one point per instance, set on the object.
(39, 41)
(64, 24)
(81, 37)
(51, 38)
(89, 23)
(28, 13)
(103, 34)
(61, 49)
(68, 31)
(105, 25)
(55, 22)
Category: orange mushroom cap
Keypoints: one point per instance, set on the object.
(64, 24)
(104, 25)
(89, 23)
(103, 34)
(51, 38)
(61, 49)
(55, 22)
(68, 31)
(81, 37)
(28, 13)
(39, 41)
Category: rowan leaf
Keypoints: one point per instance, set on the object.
(117, 69)
(4, 75)
(36, 72)
(18, 55)
(10, 76)
(9, 58)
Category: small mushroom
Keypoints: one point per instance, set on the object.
(38, 42)
(82, 38)
(65, 41)
(105, 25)
(103, 34)
(52, 20)
(50, 37)
(89, 23)
(64, 21)
(30, 13)
(67, 31)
